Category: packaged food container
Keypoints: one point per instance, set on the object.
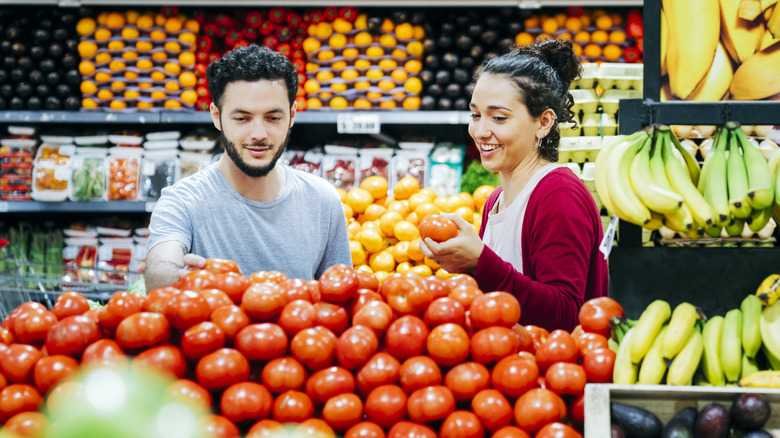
(375, 161)
(585, 100)
(191, 162)
(114, 259)
(588, 78)
(622, 76)
(572, 128)
(123, 173)
(446, 161)
(50, 182)
(88, 175)
(80, 259)
(54, 154)
(339, 166)
(308, 161)
(412, 162)
(611, 98)
(159, 169)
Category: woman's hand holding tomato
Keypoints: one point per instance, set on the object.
(456, 254)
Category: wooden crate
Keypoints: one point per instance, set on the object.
(664, 401)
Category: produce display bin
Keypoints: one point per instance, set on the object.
(664, 401)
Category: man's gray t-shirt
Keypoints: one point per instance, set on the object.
(300, 233)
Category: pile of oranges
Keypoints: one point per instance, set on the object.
(350, 66)
(383, 224)
(137, 60)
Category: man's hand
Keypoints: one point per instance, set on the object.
(191, 262)
(459, 254)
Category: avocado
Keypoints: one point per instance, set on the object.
(33, 103)
(426, 76)
(3, 76)
(37, 52)
(444, 41)
(463, 42)
(616, 432)
(42, 90)
(25, 62)
(452, 90)
(750, 411)
(53, 103)
(64, 90)
(72, 103)
(24, 89)
(461, 104)
(70, 61)
(47, 65)
(467, 62)
(41, 36)
(374, 24)
(448, 27)
(477, 52)
(52, 78)
(418, 18)
(435, 90)
(757, 434)
(3, 105)
(462, 20)
(9, 62)
(505, 44)
(72, 45)
(60, 34)
(713, 421)
(428, 103)
(429, 45)
(399, 17)
(7, 91)
(73, 78)
(444, 104)
(36, 77)
(449, 60)
(515, 27)
(432, 61)
(17, 103)
(18, 49)
(443, 77)
(5, 46)
(56, 50)
(635, 421)
(476, 30)
(461, 76)
(69, 19)
(492, 21)
(681, 425)
(469, 89)
(489, 37)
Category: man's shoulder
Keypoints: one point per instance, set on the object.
(313, 183)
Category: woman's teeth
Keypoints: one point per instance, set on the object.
(490, 147)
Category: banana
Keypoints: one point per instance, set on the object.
(664, 41)
(736, 174)
(766, 4)
(647, 327)
(741, 37)
(692, 166)
(761, 191)
(770, 331)
(653, 366)
(680, 221)
(761, 379)
(758, 219)
(715, 84)
(714, 182)
(600, 179)
(769, 290)
(684, 365)
(680, 325)
(751, 325)
(705, 167)
(749, 9)
(749, 366)
(773, 163)
(682, 184)
(654, 197)
(734, 227)
(617, 167)
(624, 372)
(731, 345)
(690, 20)
(710, 364)
(713, 231)
(773, 22)
(656, 221)
(768, 39)
(757, 77)
(657, 166)
(774, 362)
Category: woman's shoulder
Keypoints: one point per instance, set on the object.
(558, 186)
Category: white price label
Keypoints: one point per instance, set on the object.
(358, 124)
(3, 206)
(147, 169)
(609, 236)
(68, 149)
(61, 173)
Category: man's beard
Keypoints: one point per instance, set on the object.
(252, 171)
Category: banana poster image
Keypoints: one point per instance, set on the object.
(720, 50)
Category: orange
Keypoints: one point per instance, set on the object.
(617, 19)
(411, 103)
(387, 25)
(398, 53)
(159, 19)
(361, 22)
(337, 40)
(172, 46)
(105, 94)
(172, 104)
(159, 95)
(192, 25)
(323, 30)
(144, 46)
(118, 85)
(617, 36)
(381, 262)
(311, 29)
(131, 94)
(430, 263)
(425, 209)
(358, 252)
(441, 273)
(373, 95)
(157, 35)
(338, 102)
(143, 64)
(144, 105)
(361, 103)
(401, 206)
(117, 105)
(375, 74)
(388, 64)
(592, 50)
(87, 48)
(89, 103)
(404, 31)
(102, 18)
(413, 66)
(131, 16)
(423, 270)
(362, 63)
(464, 199)
(172, 68)
(387, 40)
(116, 65)
(326, 95)
(388, 220)
(604, 21)
(599, 36)
(374, 51)
(405, 187)
(415, 48)
(364, 267)
(560, 18)
(160, 55)
(188, 79)
(116, 45)
(577, 49)
(157, 75)
(371, 240)
(359, 199)
(187, 38)
(145, 21)
(324, 76)
(115, 20)
(370, 225)
(85, 26)
(129, 33)
(86, 68)
(129, 55)
(417, 199)
(102, 57)
(350, 52)
(413, 218)
(88, 87)
(311, 45)
(145, 85)
(131, 75)
(414, 251)
(523, 39)
(339, 65)
(353, 227)
(342, 26)
(418, 32)
(582, 36)
(375, 185)
(361, 85)
(189, 97)
(405, 231)
(543, 37)
(374, 212)
(173, 25)
(102, 76)
(347, 210)
(311, 86)
(172, 86)
(466, 213)
(549, 25)
(326, 55)
(386, 84)
(349, 74)
(312, 67)
(585, 19)
(531, 22)
(563, 36)
(363, 39)
(403, 267)
(481, 194)
(573, 24)
(612, 52)
(413, 85)
(399, 252)
(102, 34)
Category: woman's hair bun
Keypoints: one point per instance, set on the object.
(559, 54)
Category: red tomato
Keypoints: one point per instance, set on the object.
(233, 284)
(339, 283)
(365, 429)
(386, 405)
(438, 287)
(217, 426)
(297, 289)
(355, 346)
(596, 313)
(3, 382)
(381, 369)
(26, 424)
(246, 401)
(259, 342)
(376, 315)
(292, 407)
(166, 359)
(589, 341)
(69, 304)
(598, 365)
(461, 279)
(431, 403)
(189, 393)
(263, 301)
(6, 337)
(407, 429)
(231, 319)
(105, 351)
(367, 280)
(143, 330)
(493, 343)
(215, 298)
(565, 378)
(157, 299)
(266, 428)
(222, 368)
(275, 277)
(559, 347)
(32, 324)
(577, 332)
(406, 337)
(121, 305)
(510, 432)
(72, 335)
(406, 293)
(494, 308)
(437, 227)
(492, 409)
(314, 428)
(221, 266)
(514, 375)
(197, 280)
(448, 344)
(577, 411)
(17, 398)
(18, 361)
(465, 295)
(202, 339)
(465, 380)
(363, 297)
(331, 316)
(524, 340)
(315, 347)
(557, 430)
(49, 370)
(329, 382)
(538, 407)
(296, 316)
(444, 310)
(342, 411)
(282, 374)
(418, 372)
(461, 424)
(538, 335)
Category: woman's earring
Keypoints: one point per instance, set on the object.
(540, 143)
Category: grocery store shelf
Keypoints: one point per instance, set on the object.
(78, 117)
(76, 207)
(524, 4)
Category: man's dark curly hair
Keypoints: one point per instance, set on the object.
(250, 63)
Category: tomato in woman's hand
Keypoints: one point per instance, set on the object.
(296, 316)
(386, 405)
(355, 346)
(431, 403)
(283, 374)
(406, 293)
(365, 429)
(222, 368)
(406, 337)
(245, 402)
(26, 424)
(342, 411)
(263, 301)
(598, 365)
(367, 280)
(258, 342)
(103, 351)
(143, 330)
(407, 429)
(331, 316)
(165, 359)
(418, 372)
(493, 343)
(217, 426)
(196, 280)
(557, 430)
(565, 378)
(537, 407)
(492, 409)
(339, 283)
(292, 407)
(381, 369)
(494, 309)
(157, 299)
(221, 266)
(559, 347)
(329, 382)
(32, 324)
(315, 348)
(121, 305)
(448, 344)
(596, 313)
(232, 284)
(437, 227)
(438, 286)
(230, 319)
(69, 304)
(17, 362)
(16, 398)
(461, 424)
(266, 428)
(49, 370)
(465, 380)
(72, 335)
(514, 375)
(376, 315)
(190, 393)
(589, 341)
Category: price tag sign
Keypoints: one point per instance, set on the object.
(3, 206)
(609, 237)
(358, 124)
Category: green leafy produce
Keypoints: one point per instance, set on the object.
(89, 181)
(476, 175)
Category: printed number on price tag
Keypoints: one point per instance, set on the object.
(358, 124)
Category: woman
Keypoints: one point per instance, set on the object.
(541, 229)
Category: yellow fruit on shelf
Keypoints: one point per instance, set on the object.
(405, 231)
(85, 26)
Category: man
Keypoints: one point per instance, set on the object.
(244, 207)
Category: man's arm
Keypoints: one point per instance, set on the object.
(163, 263)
